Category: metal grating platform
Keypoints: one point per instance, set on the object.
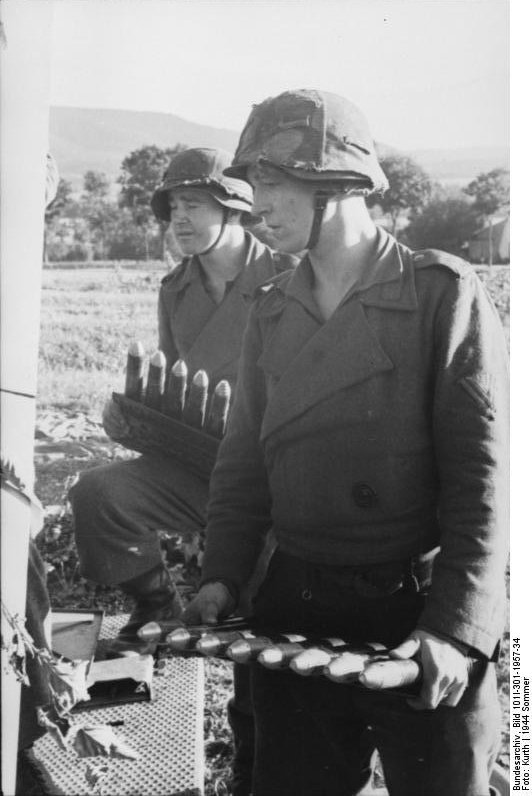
(167, 733)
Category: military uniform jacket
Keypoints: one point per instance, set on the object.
(374, 436)
(206, 335)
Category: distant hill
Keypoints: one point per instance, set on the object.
(99, 139)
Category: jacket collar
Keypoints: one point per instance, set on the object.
(219, 342)
(259, 256)
(387, 280)
(256, 254)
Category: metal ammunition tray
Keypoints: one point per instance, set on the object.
(167, 733)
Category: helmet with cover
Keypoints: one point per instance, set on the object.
(202, 168)
(312, 135)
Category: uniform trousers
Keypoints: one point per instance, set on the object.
(118, 509)
(315, 737)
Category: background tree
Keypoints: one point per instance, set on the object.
(54, 210)
(128, 240)
(491, 193)
(99, 212)
(446, 223)
(409, 191)
(141, 172)
(62, 198)
(96, 185)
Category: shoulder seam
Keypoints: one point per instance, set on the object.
(427, 258)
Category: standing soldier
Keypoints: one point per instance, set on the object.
(203, 307)
(370, 432)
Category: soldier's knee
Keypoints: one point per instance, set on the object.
(95, 487)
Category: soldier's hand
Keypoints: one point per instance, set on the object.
(445, 669)
(212, 603)
(114, 422)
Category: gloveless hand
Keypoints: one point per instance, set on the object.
(114, 422)
(212, 603)
(445, 669)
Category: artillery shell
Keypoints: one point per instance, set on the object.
(279, 656)
(134, 372)
(217, 643)
(219, 409)
(154, 631)
(183, 638)
(347, 667)
(390, 674)
(196, 403)
(245, 650)
(176, 390)
(156, 378)
(314, 660)
(249, 649)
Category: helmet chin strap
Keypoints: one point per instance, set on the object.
(219, 236)
(321, 197)
(320, 204)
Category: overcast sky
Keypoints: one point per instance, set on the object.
(428, 73)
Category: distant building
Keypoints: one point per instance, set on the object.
(479, 245)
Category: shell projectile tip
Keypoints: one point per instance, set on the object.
(149, 632)
(271, 656)
(223, 388)
(201, 379)
(310, 659)
(180, 368)
(136, 349)
(239, 651)
(158, 359)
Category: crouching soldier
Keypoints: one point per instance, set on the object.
(370, 432)
(203, 308)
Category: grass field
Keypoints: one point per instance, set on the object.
(88, 319)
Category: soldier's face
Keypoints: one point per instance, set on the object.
(285, 204)
(196, 219)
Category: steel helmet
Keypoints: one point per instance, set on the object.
(202, 168)
(314, 136)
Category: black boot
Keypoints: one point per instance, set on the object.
(155, 597)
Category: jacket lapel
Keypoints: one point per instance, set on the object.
(219, 341)
(340, 353)
(309, 361)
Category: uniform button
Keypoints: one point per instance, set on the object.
(364, 495)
